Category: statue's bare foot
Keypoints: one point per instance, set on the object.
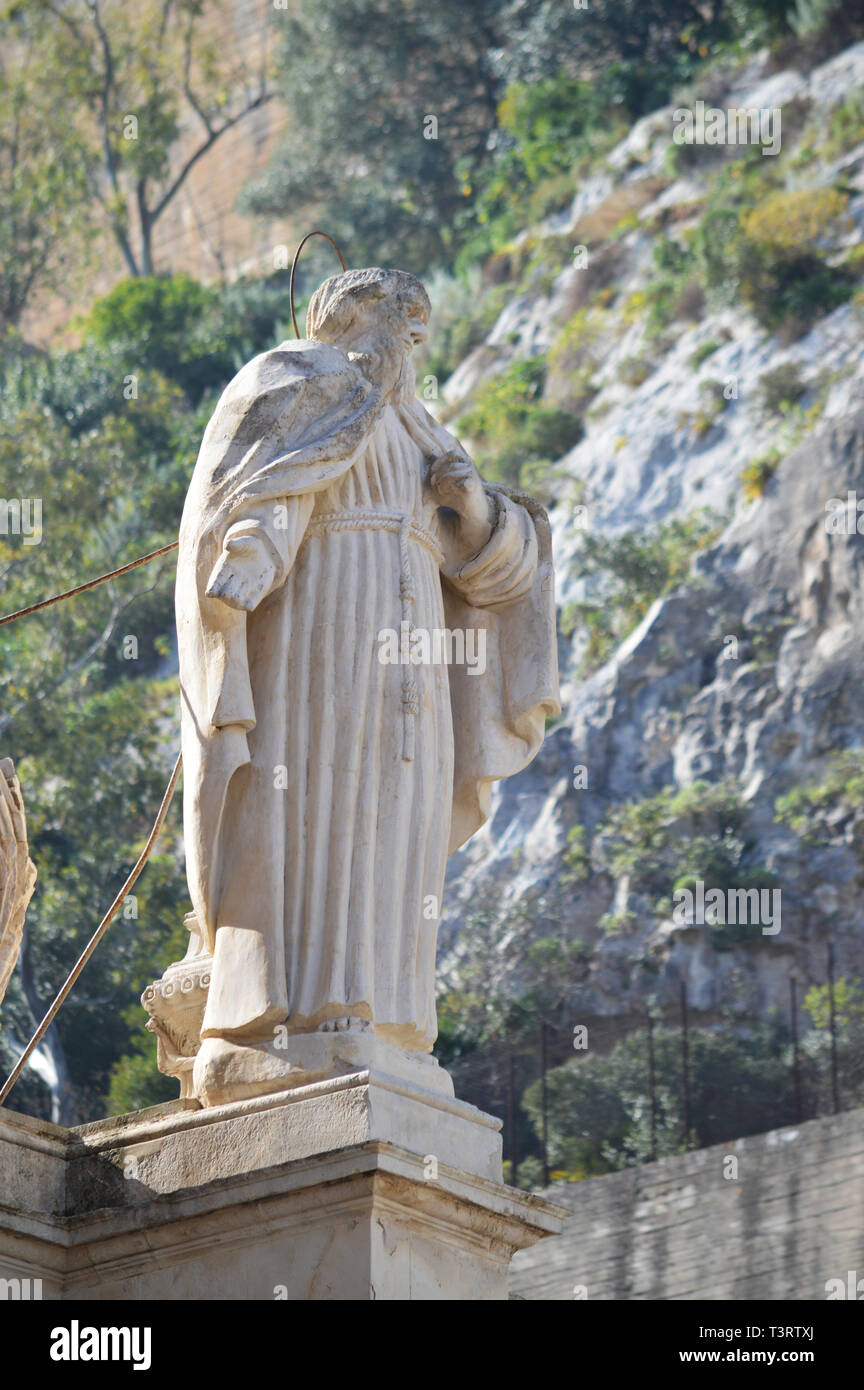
(349, 1024)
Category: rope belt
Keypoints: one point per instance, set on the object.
(376, 521)
(407, 529)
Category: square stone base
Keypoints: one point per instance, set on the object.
(355, 1188)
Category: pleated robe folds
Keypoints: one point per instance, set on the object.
(323, 787)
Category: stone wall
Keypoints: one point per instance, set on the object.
(691, 1227)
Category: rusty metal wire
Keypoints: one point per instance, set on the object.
(91, 584)
(96, 937)
(143, 856)
(294, 267)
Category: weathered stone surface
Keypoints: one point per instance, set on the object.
(346, 1190)
(325, 783)
(17, 871)
(790, 1219)
(230, 1071)
(667, 708)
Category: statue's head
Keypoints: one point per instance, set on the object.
(377, 316)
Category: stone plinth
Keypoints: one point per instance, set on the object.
(354, 1188)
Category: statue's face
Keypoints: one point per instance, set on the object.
(381, 336)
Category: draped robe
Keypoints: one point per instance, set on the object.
(323, 788)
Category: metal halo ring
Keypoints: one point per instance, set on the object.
(294, 267)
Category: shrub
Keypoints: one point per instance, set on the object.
(784, 273)
(670, 293)
(756, 475)
(598, 1107)
(570, 381)
(818, 809)
(572, 361)
(618, 923)
(845, 126)
(550, 131)
(718, 251)
(792, 223)
(780, 388)
(79, 387)
(689, 302)
(848, 1004)
(576, 858)
(195, 335)
(512, 426)
(694, 831)
(634, 370)
(713, 401)
(669, 841)
(156, 320)
(636, 568)
(463, 312)
(810, 17)
(703, 352)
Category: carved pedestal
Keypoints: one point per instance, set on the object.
(353, 1189)
(175, 1004)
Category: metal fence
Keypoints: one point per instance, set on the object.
(820, 1093)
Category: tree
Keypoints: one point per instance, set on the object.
(392, 105)
(644, 39)
(598, 1107)
(103, 437)
(94, 733)
(396, 107)
(128, 81)
(43, 190)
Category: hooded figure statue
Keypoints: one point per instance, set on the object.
(325, 780)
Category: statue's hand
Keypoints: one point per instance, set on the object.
(243, 574)
(456, 483)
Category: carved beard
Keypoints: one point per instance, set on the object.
(376, 366)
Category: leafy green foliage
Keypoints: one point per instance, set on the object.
(784, 271)
(819, 810)
(90, 729)
(780, 388)
(42, 187)
(713, 400)
(523, 98)
(464, 310)
(371, 169)
(599, 1106)
(511, 425)
(576, 859)
(703, 352)
(636, 568)
(698, 831)
(756, 475)
(845, 126)
(848, 1005)
(771, 251)
(550, 132)
(90, 716)
(196, 336)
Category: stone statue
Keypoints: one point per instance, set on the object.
(17, 871)
(330, 523)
